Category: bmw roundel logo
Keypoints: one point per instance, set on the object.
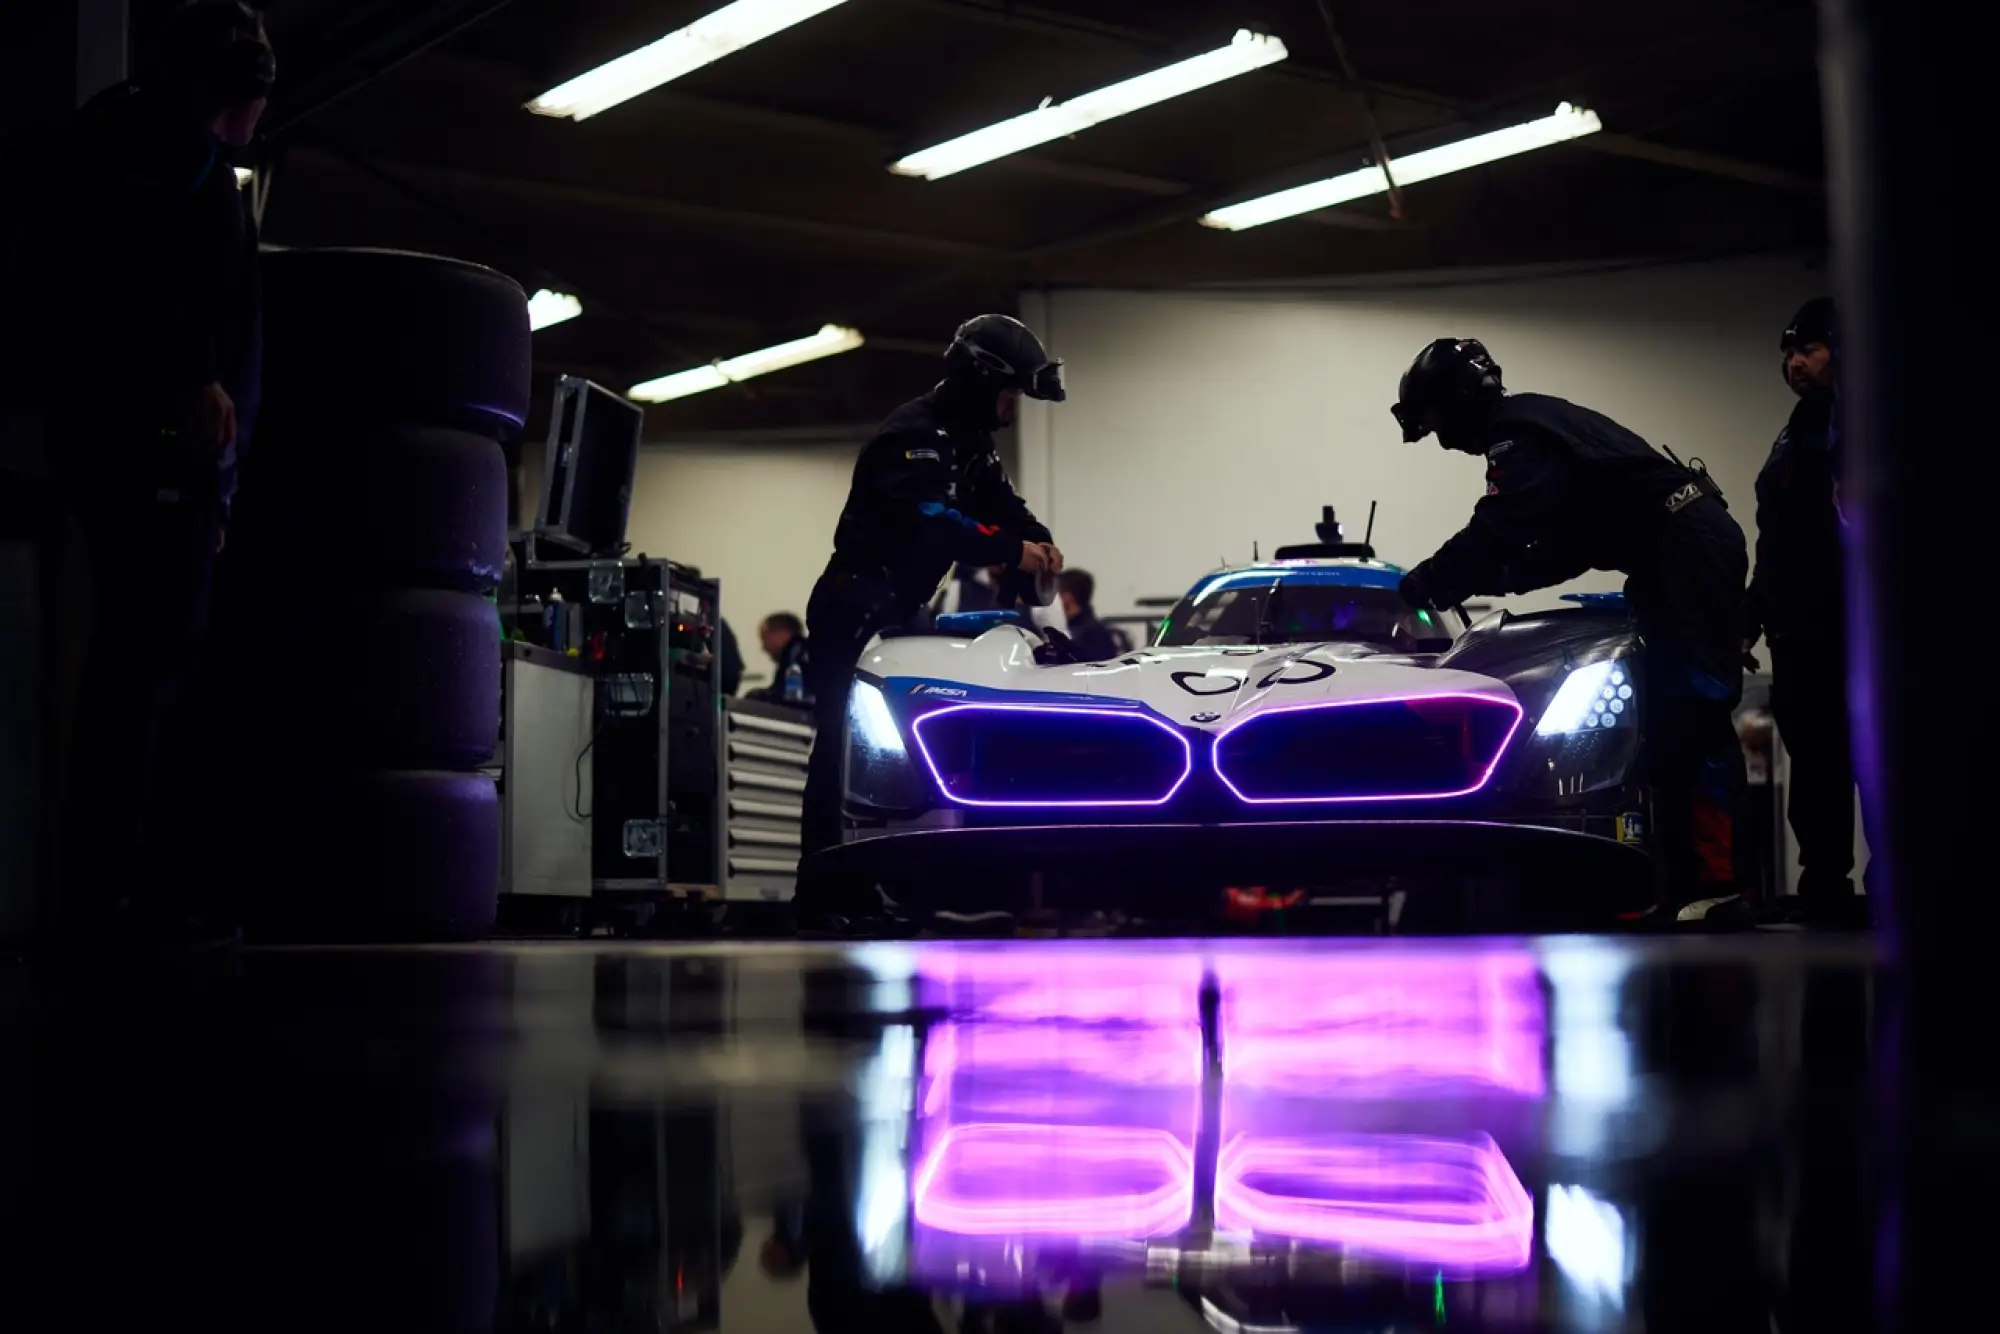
(1205, 718)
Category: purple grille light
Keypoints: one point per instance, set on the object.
(1121, 716)
(1451, 1203)
(1271, 715)
(1087, 1181)
(1373, 1026)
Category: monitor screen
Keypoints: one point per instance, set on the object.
(587, 479)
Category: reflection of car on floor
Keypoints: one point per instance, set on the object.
(1083, 1119)
(1292, 718)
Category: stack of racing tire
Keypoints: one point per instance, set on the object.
(357, 643)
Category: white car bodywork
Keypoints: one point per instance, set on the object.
(1360, 745)
(1208, 689)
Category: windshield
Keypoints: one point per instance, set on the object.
(1272, 608)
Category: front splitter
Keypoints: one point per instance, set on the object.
(1266, 852)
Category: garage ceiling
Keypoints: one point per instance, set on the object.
(749, 202)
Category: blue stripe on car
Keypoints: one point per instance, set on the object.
(1336, 576)
(972, 624)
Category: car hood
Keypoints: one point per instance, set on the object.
(1206, 687)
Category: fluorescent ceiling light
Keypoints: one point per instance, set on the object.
(830, 339)
(1567, 123)
(1246, 52)
(546, 308)
(703, 42)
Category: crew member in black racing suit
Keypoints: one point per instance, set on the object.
(1570, 490)
(1797, 602)
(928, 491)
(148, 380)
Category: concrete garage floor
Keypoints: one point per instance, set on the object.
(1568, 1133)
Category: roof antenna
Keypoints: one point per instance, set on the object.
(1253, 551)
(1368, 538)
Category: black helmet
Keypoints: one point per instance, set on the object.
(1460, 381)
(1813, 324)
(1000, 351)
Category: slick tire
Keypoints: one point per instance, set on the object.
(387, 333)
(369, 855)
(429, 504)
(404, 679)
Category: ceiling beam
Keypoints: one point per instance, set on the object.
(1714, 164)
(923, 347)
(1354, 220)
(1146, 221)
(881, 144)
(666, 330)
(888, 146)
(525, 267)
(368, 49)
(611, 376)
(1004, 13)
(710, 216)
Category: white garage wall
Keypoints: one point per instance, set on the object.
(1198, 422)
(758, 516)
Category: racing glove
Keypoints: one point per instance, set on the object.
(1417, 591)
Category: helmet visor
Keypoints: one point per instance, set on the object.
(1411, 419)
(1047, 383)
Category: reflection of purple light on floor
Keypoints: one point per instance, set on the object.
(1455, 1204)
(1043, 1180)
(1094, 1054)
(1077, 984)
(1372, 1023)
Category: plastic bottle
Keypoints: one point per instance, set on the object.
(558, 620)
(795, 684)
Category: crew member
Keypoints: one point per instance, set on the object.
(783, 636)
(1090, 639)
(157, 257)
(928, 491)
(731, 666)
(1570, 490)
(1796, 603)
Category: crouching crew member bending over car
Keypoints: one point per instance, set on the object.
(928, 491)
(1569, 490)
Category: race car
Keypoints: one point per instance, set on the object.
(1293, 724)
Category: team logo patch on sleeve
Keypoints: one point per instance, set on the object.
(914, 454)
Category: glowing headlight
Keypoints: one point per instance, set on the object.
(1590, 697)
(869, 723)
(877, 770)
